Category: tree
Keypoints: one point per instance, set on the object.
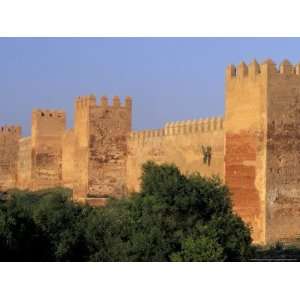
(179, 217)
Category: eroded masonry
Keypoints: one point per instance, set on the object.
(254, 148)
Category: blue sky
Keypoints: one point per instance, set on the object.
(169, 79)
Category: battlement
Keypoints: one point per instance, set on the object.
(10, 129)
(90, 101)
(194, 126)
(145, 134)
(116, 102)
(85, 101)
(180, 127)
(46, 113)
(267, 67)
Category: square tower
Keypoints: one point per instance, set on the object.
(262, 148)
(101, 133)
(48, 127)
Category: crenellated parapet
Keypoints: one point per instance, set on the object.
(146, 134)
(179, 128)
(82, 102)
(194, 126)
(10, 130)
(47, 113)
(254, 69)
(90, 101)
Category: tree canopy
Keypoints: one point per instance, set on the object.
(173, 218)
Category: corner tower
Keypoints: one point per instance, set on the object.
(262, 148)
(101, 133)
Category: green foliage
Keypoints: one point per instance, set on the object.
(175, 214)
(277, 252)
(173, 218)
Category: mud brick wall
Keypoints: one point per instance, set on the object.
(68, 158)
(101, 133)
(9, 147)
(25, 164)
(48, 127)
(83, 105)
(245, 143)
(181, 143)
(283, 154)
(109, 130)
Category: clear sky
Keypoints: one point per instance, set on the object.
(169, 79)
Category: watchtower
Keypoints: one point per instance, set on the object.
(262, 147)
(48, 127)
(9, 147)
(101, 133)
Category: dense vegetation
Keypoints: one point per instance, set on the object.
(173, 218)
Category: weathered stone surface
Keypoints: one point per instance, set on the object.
(68, 158)
(48, 127)
(101, 133)
(245, 144)
(262, 157)
(9, 148)
(25, 164)
(182, 143)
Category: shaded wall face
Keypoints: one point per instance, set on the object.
(245, 154)
(184, 145)
(9, 147)
(283, 157)
(68, 158)
(81, 145)
(47, 131)
(109, 128)
(25, 164)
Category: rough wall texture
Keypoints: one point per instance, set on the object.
(245, 143)
(182, 143)
(9, 148)
(283, 154)
(101, 144)
(25, 164)
(48, 128)
(262, 148)
(68, 157)
(81, 131)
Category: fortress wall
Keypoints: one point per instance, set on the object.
(245, 143)
(179, 143)
(68, 157)
(25, 163)
(109, 127)
(9, 147)
(83, 106)
(283, 154)
(48, 127)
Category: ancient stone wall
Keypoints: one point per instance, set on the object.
(101, 133)
(256, 151)
(25, 164)
(194, 146)
(83, 105)
(283, 154)
(245, 143)
(9, 147)
(48, 127)
(68, 158)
